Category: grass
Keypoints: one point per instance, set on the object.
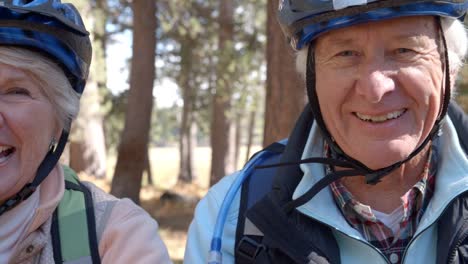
(173, 217)
(165, 166)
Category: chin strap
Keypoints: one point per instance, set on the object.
(44, 169)
(354, 167)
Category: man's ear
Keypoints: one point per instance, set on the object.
(453, 79)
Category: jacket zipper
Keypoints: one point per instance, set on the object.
(359, 240)
(452, 252)
(435, 221)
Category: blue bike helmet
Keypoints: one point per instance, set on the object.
(302, 21)
(56, 30)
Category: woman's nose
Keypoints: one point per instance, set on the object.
(2, 118)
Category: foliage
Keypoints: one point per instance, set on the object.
(193, 24)
(164, 123)
(114, 121)
(165, 126)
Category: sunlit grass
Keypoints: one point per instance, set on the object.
(165, 166)
(165, 169)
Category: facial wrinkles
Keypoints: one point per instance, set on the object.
(10, 74)
(403, 53)
(22, 119)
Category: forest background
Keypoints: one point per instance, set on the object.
(235, 87)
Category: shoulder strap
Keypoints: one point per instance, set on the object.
(257, 185)
(73, 225)
(259, 242)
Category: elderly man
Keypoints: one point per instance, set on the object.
(375, 170)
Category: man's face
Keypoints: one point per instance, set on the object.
(379, 87)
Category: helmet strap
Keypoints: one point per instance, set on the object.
(46, 166)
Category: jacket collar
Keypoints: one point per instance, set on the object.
(451, 181)
(51, 193)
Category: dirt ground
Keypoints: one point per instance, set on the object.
(171, 204)
(173, 210)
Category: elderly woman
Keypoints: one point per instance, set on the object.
(383, 173)
(46, 214)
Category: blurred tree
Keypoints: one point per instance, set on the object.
(189, 54)
(462, 85)
(249, 77)
(188, 26)
(133, 146)
(118, 13)
(251, 129)
(285, 90)
(165, 126)
(188, 139)
(87, 144)
(222, 136)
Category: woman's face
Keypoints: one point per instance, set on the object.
(27, 126)
(379, 87)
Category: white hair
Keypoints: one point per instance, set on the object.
(51, 79)
(455, 36)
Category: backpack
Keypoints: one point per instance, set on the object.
(265, 191)
(73, 229)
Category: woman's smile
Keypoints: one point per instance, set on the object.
(5, 153)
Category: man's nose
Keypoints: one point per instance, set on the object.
(374, 81)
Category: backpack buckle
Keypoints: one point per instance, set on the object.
(249, 249)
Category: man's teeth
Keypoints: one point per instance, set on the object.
(381, 118)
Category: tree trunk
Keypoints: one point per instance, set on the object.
(237, 138)
(87, 141)
(285, 93)
(251, 130)
(186, 141)
(134, 141)
(100, 45)
(186, 145)
(221, 130)
(147, 169)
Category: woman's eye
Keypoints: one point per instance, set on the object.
(18, 91)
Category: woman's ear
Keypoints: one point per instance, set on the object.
(57, 131)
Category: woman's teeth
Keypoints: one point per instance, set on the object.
(5, 152)
(380, 118)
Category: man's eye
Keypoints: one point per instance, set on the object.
(403, 50)
(347, 53)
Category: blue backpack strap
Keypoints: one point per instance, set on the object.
(253, 189)
(73, 227)
(248, 245)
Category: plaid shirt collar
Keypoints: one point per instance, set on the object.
(414, 203)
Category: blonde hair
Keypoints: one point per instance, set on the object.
(51, 79)
(455, 35)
